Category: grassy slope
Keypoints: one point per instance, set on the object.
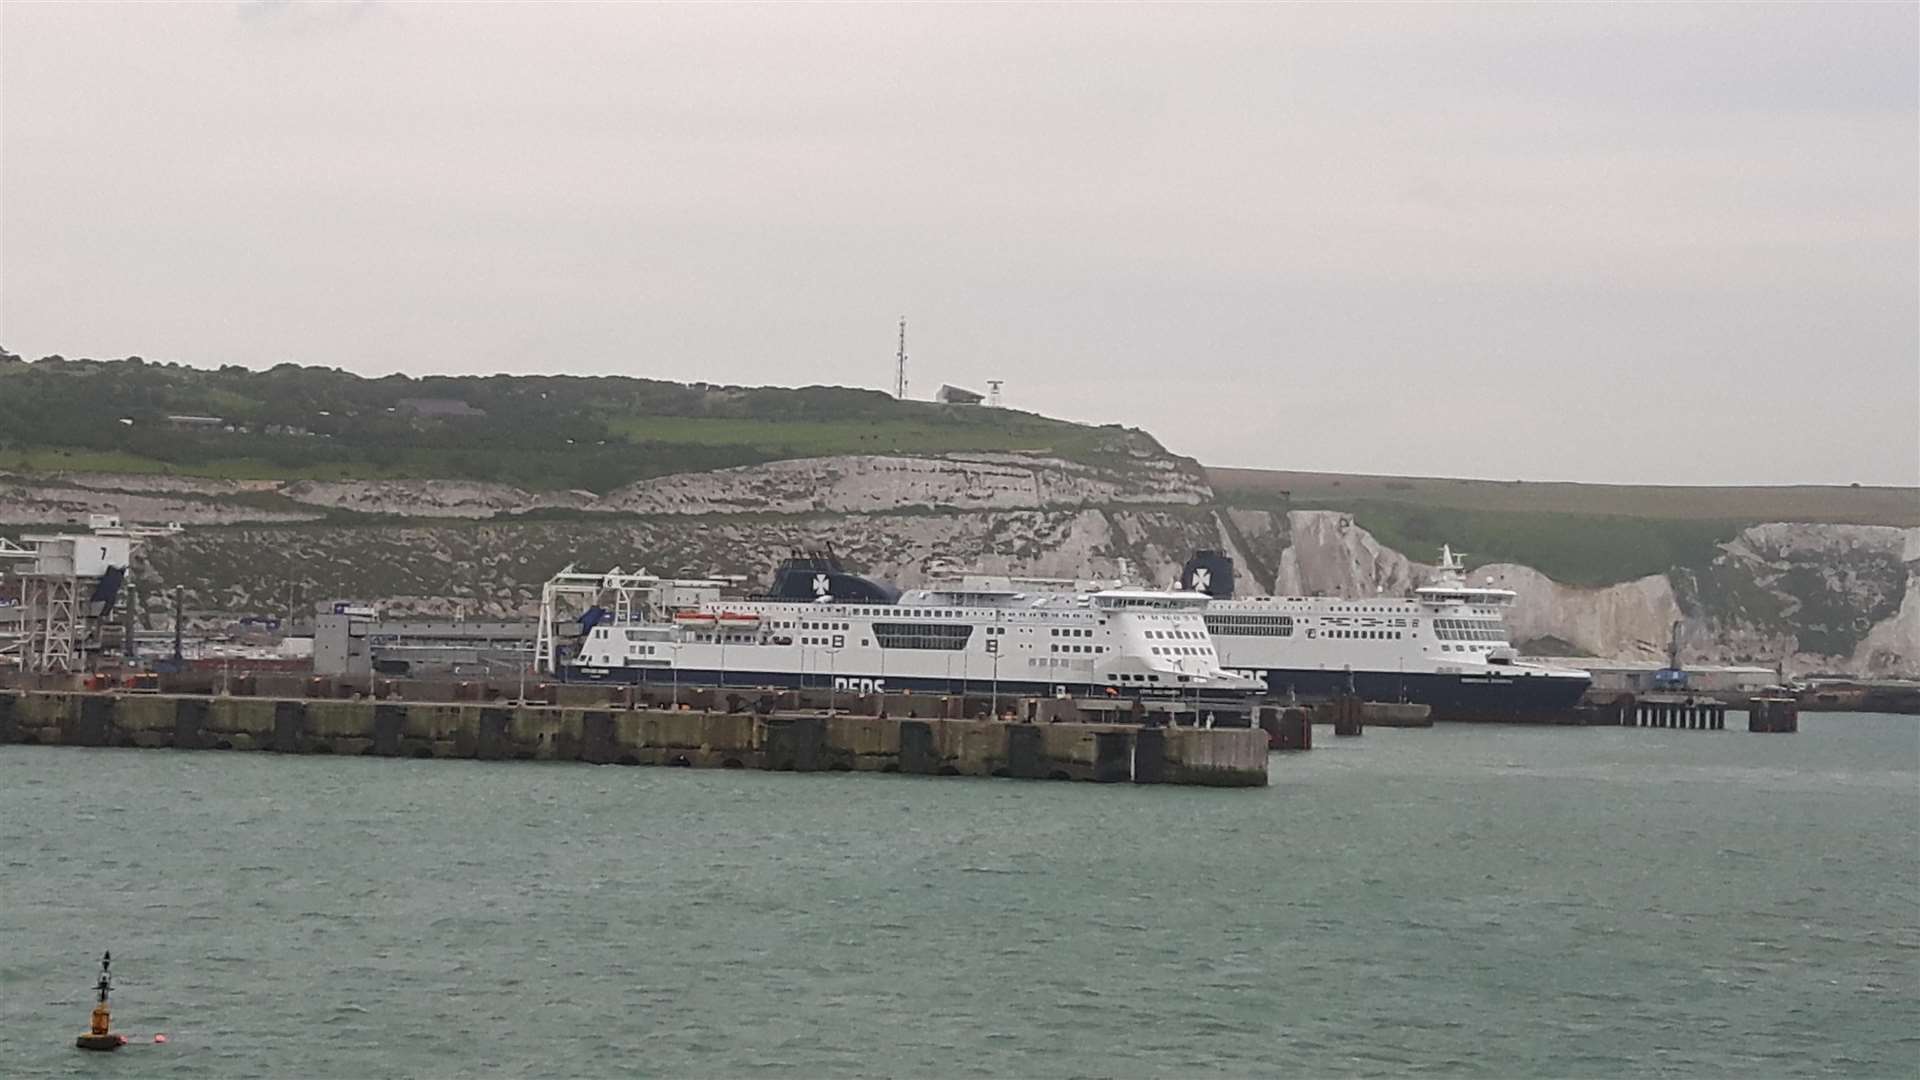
(537, 431)
(63, 417)
(1001, 430)
(1581, 534)
(1850, 505)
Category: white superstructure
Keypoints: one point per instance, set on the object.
(975, 634)
(1445, 645)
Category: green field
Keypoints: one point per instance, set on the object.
(1848, 505)
(1574, 549)
(48, 459)
(540, 432)
(819, 438)
(1579, 534)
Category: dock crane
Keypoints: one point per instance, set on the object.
(1673, 677)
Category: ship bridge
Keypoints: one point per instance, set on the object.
(1452, 588)
(1149, 599)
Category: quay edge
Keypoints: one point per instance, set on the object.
(807, 741)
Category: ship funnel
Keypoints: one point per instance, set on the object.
(1210, 572)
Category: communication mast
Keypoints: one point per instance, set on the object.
(993, 392)
(900, 364)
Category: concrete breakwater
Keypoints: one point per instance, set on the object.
(777, 741)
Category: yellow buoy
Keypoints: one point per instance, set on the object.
(100, 1034)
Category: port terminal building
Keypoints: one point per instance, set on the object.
(1646, 676)
(356, 641)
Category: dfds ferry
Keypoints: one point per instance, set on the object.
(821, 626)
(1445, 646)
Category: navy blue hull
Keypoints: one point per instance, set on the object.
(1509, 696)
(892, 684)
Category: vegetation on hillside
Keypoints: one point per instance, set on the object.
(1851, 505)
(1579, 534)
(533, 431)
(1574, 549)
(598, 433)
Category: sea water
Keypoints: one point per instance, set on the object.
(1472, 900)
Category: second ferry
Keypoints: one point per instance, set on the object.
(1445, 646)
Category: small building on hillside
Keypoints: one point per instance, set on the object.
(954, 395)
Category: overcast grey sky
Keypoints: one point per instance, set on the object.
(1625, 243)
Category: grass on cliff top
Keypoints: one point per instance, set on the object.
(1274, 488)
(538, 432)
(973, 430)
(1592, 550)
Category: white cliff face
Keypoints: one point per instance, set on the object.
(1829, 597)
(157, 482)
(1629, 621)
(1892, 648)
(495, 569)
(1818, 598)
(26, 502)
(870, 483)
(842, 485)
(1331, 556)
(429, 498)
(1785, 540)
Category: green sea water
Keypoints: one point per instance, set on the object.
(1467, 900)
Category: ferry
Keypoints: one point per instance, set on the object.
(822, 626)
(1445, 646)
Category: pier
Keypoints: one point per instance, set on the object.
(1290, 728)
(1685, 713)
(1689, 713)
(1773, 714)
(1056, 744)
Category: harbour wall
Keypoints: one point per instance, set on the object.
(793, 741)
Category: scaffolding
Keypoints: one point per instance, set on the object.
(13, 644)
(68, 586)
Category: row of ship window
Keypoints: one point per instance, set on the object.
(1371, 635)
(1080, 648)
(1449, 634)
(944, 636)
(1181, 650)
(1250, 625)
(918, 614)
